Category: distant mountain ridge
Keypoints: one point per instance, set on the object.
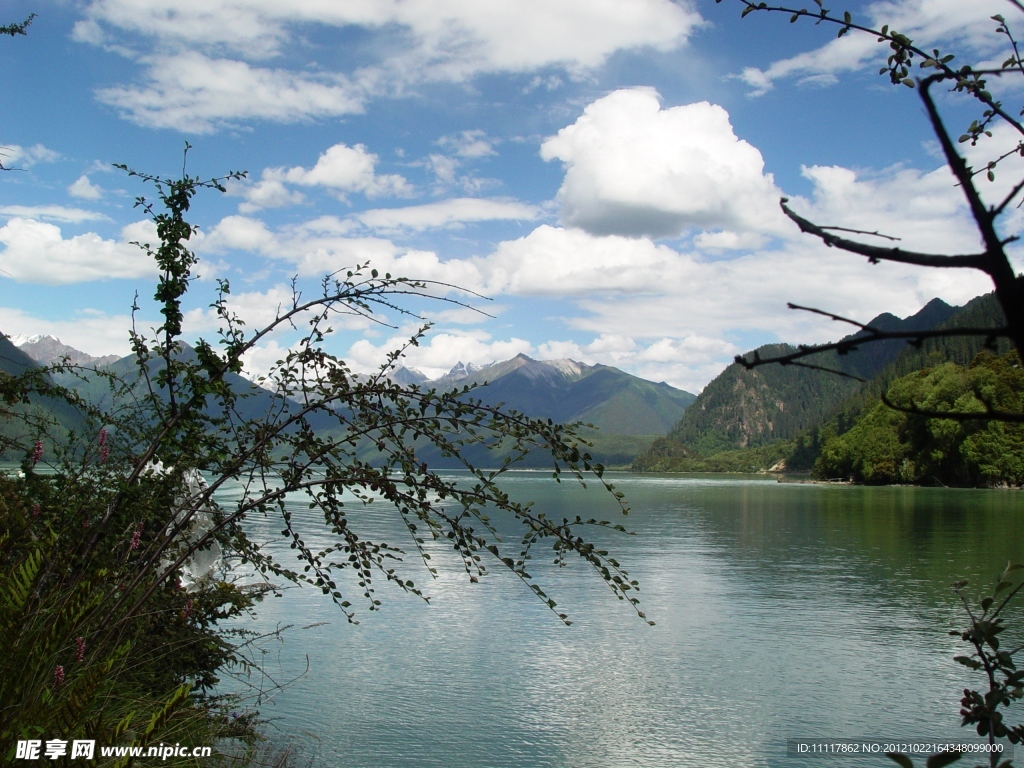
(566, 390)
(47, 350)
(627, 411)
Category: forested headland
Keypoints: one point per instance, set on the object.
(836, 426)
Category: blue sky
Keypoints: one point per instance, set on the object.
(607, 172)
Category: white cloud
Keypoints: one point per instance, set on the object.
(265, 193)
(15, 156)
(457, 37)
(443, 167)
(417, 41)
(447, 213)
(436, 355)
(634, 169)
(341, 169)
(85, 189)
(470, 144)
(320, 247)
(259, 360)
(241, 233)
(257, 309)
(679, 313)
(193, 93)
(925, 210)
(571, 262)
(345, 169)
(37, 252)
(51, 213)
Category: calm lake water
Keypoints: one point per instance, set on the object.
(782, 611)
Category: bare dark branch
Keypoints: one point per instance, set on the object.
(876, 254)
(915, 338)
(863, 232)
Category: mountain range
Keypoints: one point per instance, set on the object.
(47, 350)
(565, 391)
(771, 416)
(627, 412)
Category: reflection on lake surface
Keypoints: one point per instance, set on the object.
(783, 611)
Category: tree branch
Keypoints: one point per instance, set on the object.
(876, 253)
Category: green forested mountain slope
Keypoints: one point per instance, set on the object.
(54, 418)
(253, 402)
(750, 408)
(627, 411)
(884, 445)
(866, 441)
(564, 390)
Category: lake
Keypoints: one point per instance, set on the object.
(782, 612)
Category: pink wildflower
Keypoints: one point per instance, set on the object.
(188, 610)
(58, 675)
(37, 452)
(104, 454)
(136, 537)
(79, 648)
(103, 436)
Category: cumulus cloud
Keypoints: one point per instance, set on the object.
(419, 41)
(341, 169)
(321, 247)
(569, 262)
(266, 193)
(85, 189)
(37, 252)
(347, 169)
(633, 168)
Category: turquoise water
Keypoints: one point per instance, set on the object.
(782, 611)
